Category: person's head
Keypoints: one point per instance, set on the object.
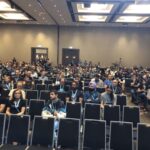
(17, 72)
(17, 94)
(62, 81)
(7, 78)
(19, 85)
(115, 82)
(53, 95)
(74, 85)
(92, 86)
(43, 73)
(108, 89)
(29, 73)
(110, 77)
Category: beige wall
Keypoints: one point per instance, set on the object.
(107, 45)
(16, 41)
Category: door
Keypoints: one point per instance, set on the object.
(39, 54)
(70, 56)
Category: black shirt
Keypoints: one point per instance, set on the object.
(16, 106)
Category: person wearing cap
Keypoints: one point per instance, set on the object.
(92, 95)
(107, 97)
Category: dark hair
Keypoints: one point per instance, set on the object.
(54, 91)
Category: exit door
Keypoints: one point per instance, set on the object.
(70, 56)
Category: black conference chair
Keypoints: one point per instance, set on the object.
(121, 136)
(121, 101)
(35, 107)
(2, 128)
(94, 135)
(143, 137)
(92, 111)
(31, 94)
(69, 134)
(41, 87)
(131, 114)
(18, 132)
(111, 113)
(42, 137)
(73, 110)
(44, 95)
(37, 82)
(47, 82)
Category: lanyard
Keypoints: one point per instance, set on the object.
(17, 103)
(74, 94)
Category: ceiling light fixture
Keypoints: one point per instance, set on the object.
(92, 18)
(94, 8)
(132, 19)
(6, 6)
(14, 16)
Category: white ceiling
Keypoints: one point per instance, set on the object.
(56, 12)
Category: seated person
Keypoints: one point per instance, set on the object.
(92, 96)
(19, 87)
(17, 104)
(74, 94)
(3, 102)
(43, 76)
(54, 107)
(107, 97)
(99, 83)
(62, 87)
(141, 97)
(116, 87)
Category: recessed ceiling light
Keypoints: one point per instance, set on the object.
(5, 6)
(92, 18)
(132, 19)
(137, 9)
(14, 16)
(94, 8)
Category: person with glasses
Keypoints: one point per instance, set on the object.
(17, 105)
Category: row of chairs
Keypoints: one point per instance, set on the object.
(92, 111)
(69, 136)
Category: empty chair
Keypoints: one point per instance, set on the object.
(31, 94)
(121, 101)
(69, 134)
(94, 135)
(35, 107)
(2, 128)
(40, 87)
(111, 113)
(92, 111)
(120, 136)
(18, 132)
(42, 134)
(131, 114)
(37, 82)
(143, 142)
(51, 87)
(44, 95)
(73, 110)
